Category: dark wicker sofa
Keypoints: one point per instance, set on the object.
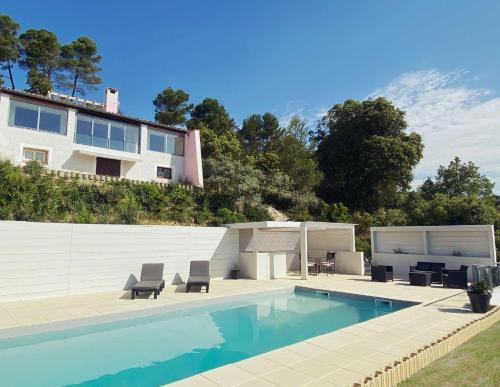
(434, 267)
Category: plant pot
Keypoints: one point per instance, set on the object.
(480, 302)
(235, 274)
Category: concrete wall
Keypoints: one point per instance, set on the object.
(50, 259)
(63, 156)
(319, 242)
(475, 244)
(350, 262)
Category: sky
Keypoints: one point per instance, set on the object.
(437, 60)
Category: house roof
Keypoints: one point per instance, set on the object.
(90, 110)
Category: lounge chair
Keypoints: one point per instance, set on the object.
(151, 280)
(199, 275)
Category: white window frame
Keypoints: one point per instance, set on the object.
(165, 133)
(48, 150)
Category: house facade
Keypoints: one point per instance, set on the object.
(71, 134)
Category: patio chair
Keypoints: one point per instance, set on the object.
(151, 280)
(381, 273)
(312, 265)
(328, 266)
(199, 275)
(455, 278)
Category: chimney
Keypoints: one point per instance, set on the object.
(111, 100)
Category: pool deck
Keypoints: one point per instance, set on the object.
(339, 358)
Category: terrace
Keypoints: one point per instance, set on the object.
(57, 280)
(343, 357)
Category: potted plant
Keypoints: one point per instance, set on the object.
(479, 295)
(235, 272)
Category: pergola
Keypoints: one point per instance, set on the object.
(305, 237)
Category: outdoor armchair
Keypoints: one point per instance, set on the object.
(455, 278)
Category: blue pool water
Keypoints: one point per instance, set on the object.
(154, 350)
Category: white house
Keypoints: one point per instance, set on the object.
(72, 134)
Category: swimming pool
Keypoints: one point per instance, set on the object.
(162, 348)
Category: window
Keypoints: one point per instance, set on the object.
(83, 131)
(35, 155)
(27, 115)
(100, 135)
(156, 141)
(164, 172)
(106, 134)
(160, 141)
(117, 137)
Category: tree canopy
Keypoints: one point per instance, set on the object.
(365, 154)
(9, 46)
(458, 179)
(211, 115)
(40, 56)
(259, 133)
(172, 106)
(80, 61)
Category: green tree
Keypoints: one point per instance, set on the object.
(218, 136)
(297, 127)
(225, 145)
(299, 163)
(458, 179)
(40, 51)
(9, 46)
(39, 83)
(365, 154)
(212, 115)
(233, 185)
(80, 61)
(259, 133)
(172, 106)
(442, 209)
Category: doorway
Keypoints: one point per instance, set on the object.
(108, 167)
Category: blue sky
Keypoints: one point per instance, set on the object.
(439, 60)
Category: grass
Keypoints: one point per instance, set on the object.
(475, 363)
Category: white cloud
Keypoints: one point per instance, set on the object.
(453, 118)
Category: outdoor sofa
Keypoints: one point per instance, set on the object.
(199, 275)
(151, 280)
(433, 267)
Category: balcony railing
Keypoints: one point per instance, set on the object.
(100, 142)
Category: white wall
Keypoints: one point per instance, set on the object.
(350, 262)
(50, 259)
(63, 157)
(320, 242)
(475, 243)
